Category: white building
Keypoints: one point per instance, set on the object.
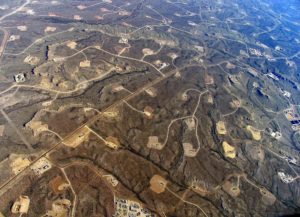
(276, 135)
(20, 78)
(274, 77)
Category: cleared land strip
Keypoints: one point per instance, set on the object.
(187, 202)
(92, 120)
(83, 82)
(17, 131)
(16, 10)
(39, 40)
(4, 42)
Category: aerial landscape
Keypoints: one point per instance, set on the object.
(149, 108)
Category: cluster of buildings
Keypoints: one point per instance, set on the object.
(113, 142)
(163, 65)
(276, 77)
(14, 37)
(288, 158)
(285, 177)
(20, 78)
(255, 52)
(131, 209)
(285, 93)
(123, 40)
(21, 205)
(275, 134)
(41, 166)
(292, 115)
